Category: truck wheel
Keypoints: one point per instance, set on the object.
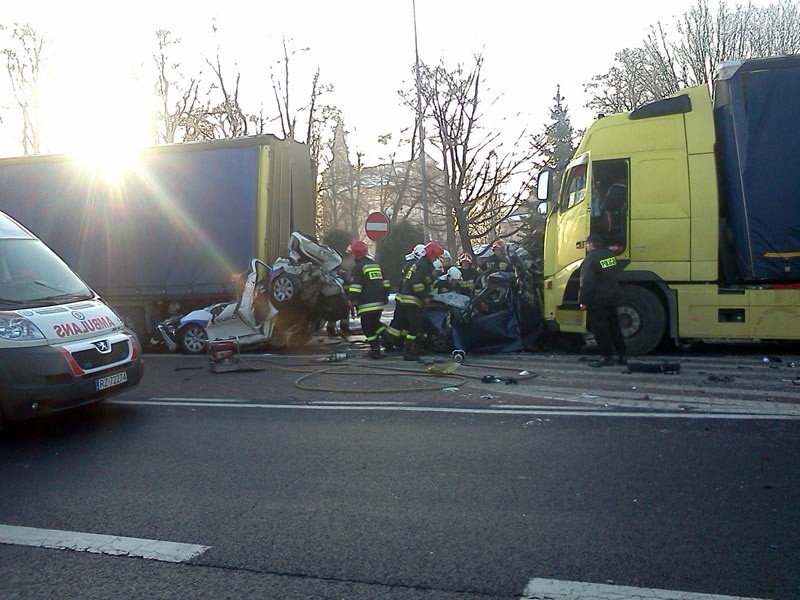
(642, 318)
(285, 290)
(193, 339)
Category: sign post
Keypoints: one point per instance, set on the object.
(377, 226)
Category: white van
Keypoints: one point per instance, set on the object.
(61, 345)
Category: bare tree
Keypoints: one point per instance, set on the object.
(688, 53)
(482, 179)
(178, 98)
(23, 62)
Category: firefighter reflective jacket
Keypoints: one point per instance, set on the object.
(417, 283)
(368, 289)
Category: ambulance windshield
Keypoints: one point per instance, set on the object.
(32, 275)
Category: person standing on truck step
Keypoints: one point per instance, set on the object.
(368, 292)
(599, 296)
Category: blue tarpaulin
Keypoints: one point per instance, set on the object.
(757, 116)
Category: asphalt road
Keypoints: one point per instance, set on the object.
(687, 482)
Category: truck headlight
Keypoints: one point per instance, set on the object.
(19, 329)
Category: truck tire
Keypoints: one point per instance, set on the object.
(193, 339)
(642, 318)
(285, 290)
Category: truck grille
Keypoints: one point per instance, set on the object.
(92, 359)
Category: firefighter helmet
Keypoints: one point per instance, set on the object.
(433, 250)
(358, 249)
(465, 257)
(454, 273)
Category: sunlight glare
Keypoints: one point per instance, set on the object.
(102, 117)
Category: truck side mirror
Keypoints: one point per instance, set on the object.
(543, 185)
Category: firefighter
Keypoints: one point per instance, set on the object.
(414, 294)
(469, 274)
(499, 261)
(449, 282)
(393, 337)
(368, 292)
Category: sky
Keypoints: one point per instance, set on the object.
(364, 48)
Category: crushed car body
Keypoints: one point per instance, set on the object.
(278, 306)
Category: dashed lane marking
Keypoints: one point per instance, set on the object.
(113, 545)
(553, 589)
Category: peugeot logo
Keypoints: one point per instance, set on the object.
(78, 315)
(103, 346)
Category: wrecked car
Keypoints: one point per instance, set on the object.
(278, 306)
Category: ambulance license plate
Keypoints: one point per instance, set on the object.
(112, 380)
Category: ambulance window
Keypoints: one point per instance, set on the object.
(575, 189)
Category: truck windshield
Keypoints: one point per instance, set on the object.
(32, 275)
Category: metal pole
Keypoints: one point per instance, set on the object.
(423, 196)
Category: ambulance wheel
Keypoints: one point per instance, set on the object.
(285, 290)
(193, 339)
(642, 318)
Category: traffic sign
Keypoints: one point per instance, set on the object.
(377, 226)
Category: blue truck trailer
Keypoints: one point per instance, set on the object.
(174, 231)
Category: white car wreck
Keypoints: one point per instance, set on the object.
(278, 307)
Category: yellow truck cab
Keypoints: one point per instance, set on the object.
(695, 199)
(61, 345)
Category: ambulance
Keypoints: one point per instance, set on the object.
(61, 345)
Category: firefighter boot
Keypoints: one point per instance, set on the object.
(412, 351)
(389, 341)
(375, 351)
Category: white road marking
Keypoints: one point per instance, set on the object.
(550, 411)
(553, 589)
(174, 552)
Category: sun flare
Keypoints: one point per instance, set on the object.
(102, 119)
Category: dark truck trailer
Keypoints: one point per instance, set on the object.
(179, 226)
(757, 117)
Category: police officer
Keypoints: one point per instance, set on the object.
(599, 296)
(368, 291)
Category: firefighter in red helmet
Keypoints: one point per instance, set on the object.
(368, 292)
(414, 293)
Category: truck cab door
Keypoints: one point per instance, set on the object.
(251, 294)
(574, 212)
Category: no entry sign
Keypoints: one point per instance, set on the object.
(377, 226)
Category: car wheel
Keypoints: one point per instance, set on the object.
(285, 290)
(193, 339)
(642, 319)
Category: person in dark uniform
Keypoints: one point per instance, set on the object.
(499, 260)
(413, 295)
(394, 335)
(469, 274)
(599, 296)
(368, 291)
